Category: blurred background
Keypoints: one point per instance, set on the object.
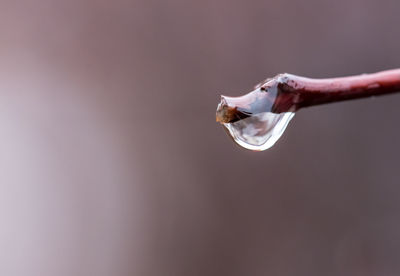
(111, 162)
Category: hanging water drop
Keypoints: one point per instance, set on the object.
(258, 119)
(259, 132)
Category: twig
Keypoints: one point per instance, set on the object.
(286, 92)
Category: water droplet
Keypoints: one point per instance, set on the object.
(260, 131)
(258, 119)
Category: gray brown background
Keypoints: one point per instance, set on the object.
(111, 162)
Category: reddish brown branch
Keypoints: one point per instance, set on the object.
(286, 92)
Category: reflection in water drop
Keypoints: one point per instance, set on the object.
(261, 131)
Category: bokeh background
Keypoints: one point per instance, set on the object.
(111, 162)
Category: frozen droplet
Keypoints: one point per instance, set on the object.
(260, 131)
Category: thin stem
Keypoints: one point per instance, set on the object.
(320, 91)
(286, 92)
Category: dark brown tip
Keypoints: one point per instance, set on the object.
(225, 113)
